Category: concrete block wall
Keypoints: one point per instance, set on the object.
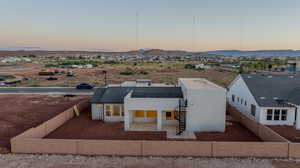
(176, 148)
(262, 131)
(31, 142)
(36, 133)
(250, 149)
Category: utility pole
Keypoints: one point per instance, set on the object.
(137, 30)
(105, 79)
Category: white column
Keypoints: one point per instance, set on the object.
(298, 118)
(159, 120)
(127, 119)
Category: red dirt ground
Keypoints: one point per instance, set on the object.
(234, 132)
(21, 112)
(84, 128)
(288, 132)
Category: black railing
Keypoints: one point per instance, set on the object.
(181, 117)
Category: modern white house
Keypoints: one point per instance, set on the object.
(269, 99)
(195, 104)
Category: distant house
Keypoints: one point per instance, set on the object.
(194, 105)
(202, 66)
(269, 99)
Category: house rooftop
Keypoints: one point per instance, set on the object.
(117, 94)
(157, 92)
(270, 90)
(197, 83)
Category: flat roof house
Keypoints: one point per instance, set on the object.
(195, 104)
(269, 99)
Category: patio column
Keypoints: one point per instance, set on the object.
(127, 119)
(159, 120)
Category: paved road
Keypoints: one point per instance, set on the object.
(45, 90)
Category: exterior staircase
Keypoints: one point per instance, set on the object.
(181, 117)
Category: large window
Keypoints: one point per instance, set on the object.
(232, 98)
(108, 110)
(139, 113)
(269, 114)
(283, 115)
(276, 114)
(114, 110)
(253, 109)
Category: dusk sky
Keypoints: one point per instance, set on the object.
(166, 24)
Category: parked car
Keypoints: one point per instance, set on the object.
(51, 78)
(84, 86)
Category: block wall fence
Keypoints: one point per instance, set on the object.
(274, 145)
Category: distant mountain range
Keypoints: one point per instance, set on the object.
(19, 51)
(262, 53)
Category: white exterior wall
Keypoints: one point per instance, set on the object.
(97, 111)
(289, 120)
(298, 118)
(206, 109)
(241, 90)
(157, 104)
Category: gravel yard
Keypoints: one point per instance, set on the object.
(71, 161)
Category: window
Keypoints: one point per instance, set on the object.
(238, 99)
(151, 114)
(245, 103)
(116, 110)
(232, 98)
(242, 101)
(253, 109)
(122, 110)
(283, 115)
(170, 115)
(276, 114)
(107, 110)
(269, 114)
(140, 114)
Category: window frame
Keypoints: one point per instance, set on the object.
(283, 115)
(277, 115)
(269, 115)
(253, 110)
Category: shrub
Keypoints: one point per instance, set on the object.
(189, 66)
(128, 71)
(143, 72)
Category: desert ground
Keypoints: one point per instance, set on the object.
(158, 72)
(21, 112)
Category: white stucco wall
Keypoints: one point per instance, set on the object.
(206, 109)
(298, 118)
(241, 90)
(157, 104)
(97, 111)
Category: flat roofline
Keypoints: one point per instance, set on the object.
(202, 83)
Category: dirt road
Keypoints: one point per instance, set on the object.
(70, 161)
